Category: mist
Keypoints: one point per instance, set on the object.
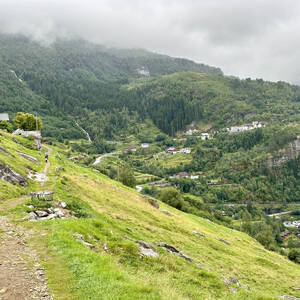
(257, 39)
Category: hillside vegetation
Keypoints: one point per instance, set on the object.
(110, 217)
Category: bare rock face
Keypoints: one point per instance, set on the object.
(292, 151)
(11, 176)
(146, 249)
(29, 157)
(173, 250)
(3, 151)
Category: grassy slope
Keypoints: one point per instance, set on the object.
(76, 272)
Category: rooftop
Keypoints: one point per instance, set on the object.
(4, 117)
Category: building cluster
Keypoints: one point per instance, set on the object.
(203, 136)
(295, 224)
(186, 175)
(173, 150)
(245, 127)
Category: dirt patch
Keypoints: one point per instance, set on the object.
(21, 275)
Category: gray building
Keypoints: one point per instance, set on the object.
(4, 117)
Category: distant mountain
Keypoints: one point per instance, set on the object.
(62, 80)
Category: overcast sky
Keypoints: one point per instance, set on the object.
(257, 39)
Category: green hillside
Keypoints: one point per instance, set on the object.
(105, 262)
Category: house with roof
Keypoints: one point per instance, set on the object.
(4, 117)
(204, 136)
(171, 150)
(185, 151)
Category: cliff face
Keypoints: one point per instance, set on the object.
(292, 151)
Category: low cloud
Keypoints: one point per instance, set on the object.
(257, 39)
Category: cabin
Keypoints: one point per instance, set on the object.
(130, 148)
(4, 117)
(181, 175)
(171, 150)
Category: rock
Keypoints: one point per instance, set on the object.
(3, 151)
(58, 213)
(50, 210)
(246, 287)
(29, 157)
(62, 204)
(151, 201)
(173, 250)
(11, 176)
(31, 216)
(232, 280)
(295, 288)
(129, 229)
(222, 240)
(232, 289)
(49, 217)
(41, 213)
(147, 249)
(198, 233)
(30, 206)
(288, 297)
(79, 238)
(166, 212)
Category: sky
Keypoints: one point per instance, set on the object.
(257, 39)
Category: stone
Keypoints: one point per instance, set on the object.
(288, 297)
(58, 213)
(28, 157)
(295, 288)
(173, 250)
(31, 216)
(62, 204)
(49, 217)
(79, 238)
(198, 233)
(3, 151)
(11, 176)
(146, 249)
(129, 229)
(232, 280)
(41, 213)
(166, 212)
(151, 201)
(222, 240)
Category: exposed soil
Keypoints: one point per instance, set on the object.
(21, 275)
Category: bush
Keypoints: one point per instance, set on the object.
(6, 126)
(294, 255)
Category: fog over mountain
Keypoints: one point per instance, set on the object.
(257, 39)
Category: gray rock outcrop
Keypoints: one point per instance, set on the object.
(11, 176)
(173, 250)
(292, 151)
(28, 157)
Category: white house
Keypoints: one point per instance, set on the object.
(145, 145)
(185, 151)
(4, 117)
(195, 176)
(292, 224)
(204, 136)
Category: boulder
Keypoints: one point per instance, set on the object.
(58, 213)
(79, 237)
(62, 204)
(146, 249)
(49, 217)
(31, 217)
(173, 250)
(11, 176)
(223, 241)
(198, 233)
(166, 212)
(28, 157)
(288, 297)
(3, 151)
(41, 213)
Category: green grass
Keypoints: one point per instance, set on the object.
(106, 209)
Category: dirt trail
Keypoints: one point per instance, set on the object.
(21, 276)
